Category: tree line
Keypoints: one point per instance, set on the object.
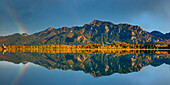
(92, 46)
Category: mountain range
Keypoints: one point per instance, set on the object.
(96, 32)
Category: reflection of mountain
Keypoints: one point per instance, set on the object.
(94, 64)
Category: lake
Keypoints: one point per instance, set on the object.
(26, 68)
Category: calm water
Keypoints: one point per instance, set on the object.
(84, 69)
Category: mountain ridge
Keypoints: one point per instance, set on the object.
(95, 32)
(160, 34)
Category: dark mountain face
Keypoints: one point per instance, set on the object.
(167, 35)
(157, 34)
(96, 32)
(161, 35)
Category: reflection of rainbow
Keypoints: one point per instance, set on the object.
(13, 18)
(20, 72)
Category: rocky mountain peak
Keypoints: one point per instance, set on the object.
(95, 22)
(99, 23)
(50, 28)
(24, 34)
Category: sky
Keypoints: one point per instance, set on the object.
(31, 16)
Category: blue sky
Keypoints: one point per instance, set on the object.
(36, 15)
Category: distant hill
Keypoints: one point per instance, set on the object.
(96, 32)
(161, 35)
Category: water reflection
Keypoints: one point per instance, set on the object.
(96, 63)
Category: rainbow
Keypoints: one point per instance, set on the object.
(13, 18)
(20, 72)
